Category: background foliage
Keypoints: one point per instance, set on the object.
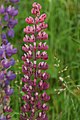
(63, 18)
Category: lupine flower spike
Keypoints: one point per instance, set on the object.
(35, 79)
(7, 23)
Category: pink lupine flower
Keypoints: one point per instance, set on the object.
(42, 17)
(29, 39)
(42, 46)
(35, 79)
(42, 35)
(29, 20)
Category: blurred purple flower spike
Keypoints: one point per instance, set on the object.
(8, 21)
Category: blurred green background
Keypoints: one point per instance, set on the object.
(63, 18)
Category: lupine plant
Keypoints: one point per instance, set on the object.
(35, 98)
(7, 23)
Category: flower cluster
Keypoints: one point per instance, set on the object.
(6, 76)
(7, 23)
(35, 79)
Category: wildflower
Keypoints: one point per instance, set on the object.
(35, 79)
(7, 20)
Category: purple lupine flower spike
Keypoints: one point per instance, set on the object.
(7, 19)
(35, 79)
